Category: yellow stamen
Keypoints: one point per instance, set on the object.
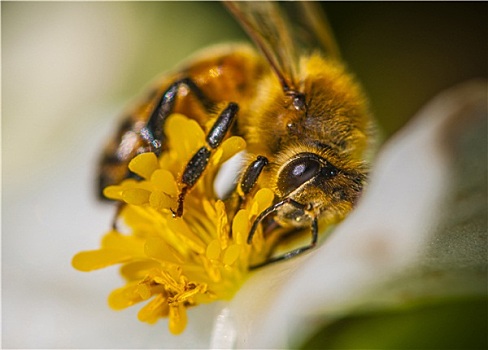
(176, 263)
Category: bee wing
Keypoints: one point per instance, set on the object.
(312, 27)
(283, 32)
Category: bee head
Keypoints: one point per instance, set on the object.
(326, 186)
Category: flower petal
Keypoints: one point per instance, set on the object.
(392, 224)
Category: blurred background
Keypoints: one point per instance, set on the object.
(68, 70)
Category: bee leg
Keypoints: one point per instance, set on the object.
(250, 176)
(291, 254)
(199, 161)
(246, 184)
(153, 132)
(120, 206)
(288, 255)
(269, 211)
(249, 179)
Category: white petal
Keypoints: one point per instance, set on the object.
(385, 234)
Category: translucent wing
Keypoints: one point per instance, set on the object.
(284, 31)
(312, 29)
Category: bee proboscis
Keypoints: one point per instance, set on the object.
(303, 116)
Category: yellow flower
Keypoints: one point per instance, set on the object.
(175, 263)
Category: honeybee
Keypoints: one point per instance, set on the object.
(304, 117)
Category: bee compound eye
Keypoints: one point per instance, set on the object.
(297, 172)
